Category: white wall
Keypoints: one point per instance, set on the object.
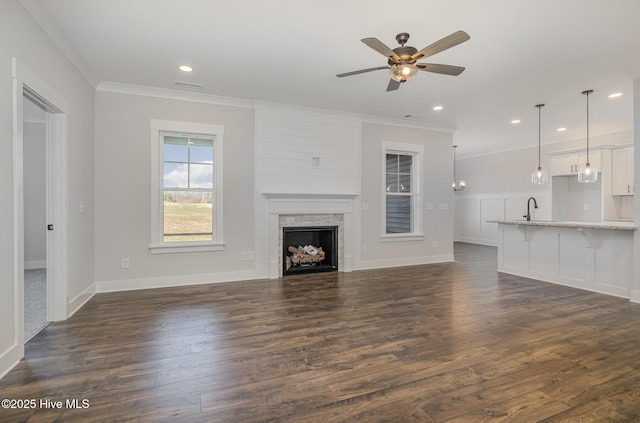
(437, 223)
(289, 139)
(123, 202)
(22, 38)
(498, 186)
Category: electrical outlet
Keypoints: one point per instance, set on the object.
(586, 206)
(364, 248)
(434, 244)
(125, 263)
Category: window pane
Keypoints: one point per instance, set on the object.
(188, 216)
(404, 182)
(201, 151)
(404, 163)
(399, 214)
(201, 176)
(392, 163)
(392, 182)
(176, 175)
(174, 151)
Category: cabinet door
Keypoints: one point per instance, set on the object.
(563, 165)
(630, 170)
(622, 171)
(594, 159)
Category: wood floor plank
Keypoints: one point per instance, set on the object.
(446, 342)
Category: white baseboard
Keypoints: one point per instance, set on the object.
(635, 296)
(81, 299)
(410, 261)
(170, 281)
(10, 359)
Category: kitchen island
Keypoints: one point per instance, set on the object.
(596, 256)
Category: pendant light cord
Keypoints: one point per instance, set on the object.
(454, 164)
(587, 92)
(539, 106)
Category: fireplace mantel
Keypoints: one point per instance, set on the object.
(307, 194)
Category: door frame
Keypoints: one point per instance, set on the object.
(27, 83)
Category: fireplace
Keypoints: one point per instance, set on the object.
(296, 210)
(309, 249)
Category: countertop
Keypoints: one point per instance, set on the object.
(630, 226)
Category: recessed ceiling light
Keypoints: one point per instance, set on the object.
(437, 108)
(615, 95)
(185, 68)
(562, 129)
(515, 121)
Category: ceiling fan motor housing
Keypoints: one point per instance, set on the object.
(405, 53)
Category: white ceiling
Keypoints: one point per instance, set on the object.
(521, 53)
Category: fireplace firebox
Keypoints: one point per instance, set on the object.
(309, 249)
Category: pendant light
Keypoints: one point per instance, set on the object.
(539, 176)
(587, 174)
(457, 185)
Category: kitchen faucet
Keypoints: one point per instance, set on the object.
(535, 205)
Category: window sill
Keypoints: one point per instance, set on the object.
(401, 237)
(186, 247)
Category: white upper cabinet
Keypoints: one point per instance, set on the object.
(570, 163)
(622, 171)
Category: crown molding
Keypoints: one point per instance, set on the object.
(120, 88)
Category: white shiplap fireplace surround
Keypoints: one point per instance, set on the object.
(307, 170)
(287, 210)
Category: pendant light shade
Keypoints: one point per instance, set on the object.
(587, 174)
(539, 176)
(461, 184)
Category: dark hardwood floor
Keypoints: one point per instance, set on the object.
(452, 342)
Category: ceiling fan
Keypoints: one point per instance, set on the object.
(402, 61)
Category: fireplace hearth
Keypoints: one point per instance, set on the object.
(309, 249)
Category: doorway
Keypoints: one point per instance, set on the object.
(34, 158)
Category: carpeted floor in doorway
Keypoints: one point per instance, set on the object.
(35, 301)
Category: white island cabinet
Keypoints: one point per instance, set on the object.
(593, 256)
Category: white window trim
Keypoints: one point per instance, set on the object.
(417, 151)
(157, 246)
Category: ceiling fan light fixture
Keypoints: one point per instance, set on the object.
(403, 72)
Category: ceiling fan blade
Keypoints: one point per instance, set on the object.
(342, 75)
(393, 85)
(447, 42)
(381, 48)
(443, 69)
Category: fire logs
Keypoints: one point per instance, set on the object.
(304, 256)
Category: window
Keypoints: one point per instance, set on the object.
(402, 215)
(186, 187)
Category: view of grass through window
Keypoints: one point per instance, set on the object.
(188, 189)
